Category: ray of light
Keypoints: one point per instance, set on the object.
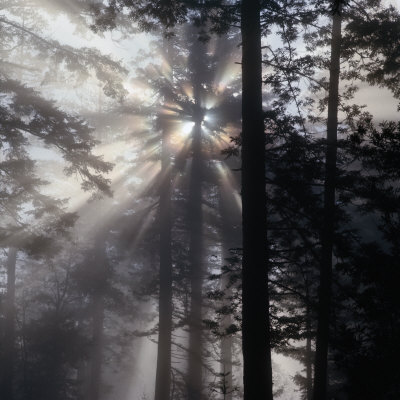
(229, 181)
(166, 69)
(187, 89)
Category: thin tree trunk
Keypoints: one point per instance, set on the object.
(226, 345)
(309, 360)
(325, 289)
(257, 369)
(82, 380)
(97, 351)
(98, 321)
(196, 270)
(226, 365)
(163, 373)
(7, 383)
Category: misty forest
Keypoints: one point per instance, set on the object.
(200, 200)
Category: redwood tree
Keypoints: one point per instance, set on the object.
(257, 369)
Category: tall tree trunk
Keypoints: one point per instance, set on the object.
(163, 373)
(97, 351)
(7, 383)
(196, 269)
(226, 343)
(195, 218)
(309, 358)
(325, 288)
(226, 362)
(98, 320)
(82, 380)
(257, 369)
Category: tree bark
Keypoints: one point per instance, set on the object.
(163, 372)
(325, 288)
(96, 360)
(7, 384)
(309, 358)
(196, 270)
(195, 218)
(257, 369)
(97, 351)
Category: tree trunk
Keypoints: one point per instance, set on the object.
(257, 369)
(197, 67)
(196, 270)
(309, 360)
(97, 351)
(226, 343)
(82, 380)
(226, 364)
(324, 306)
(98, 321)
(163, 373)
(7, 383)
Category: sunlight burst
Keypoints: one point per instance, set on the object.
(187, 128)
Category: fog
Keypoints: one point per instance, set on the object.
(123, 132)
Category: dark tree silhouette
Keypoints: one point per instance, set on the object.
(257, 368)
(328, 228)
